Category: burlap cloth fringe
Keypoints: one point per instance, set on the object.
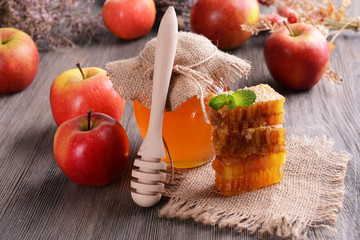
(309, 196)
(199, 68)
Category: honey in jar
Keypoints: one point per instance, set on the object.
(185, 132)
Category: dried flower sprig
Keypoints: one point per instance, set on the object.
(328, 18)
(52, 24)
(265, 23)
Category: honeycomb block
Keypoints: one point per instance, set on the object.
(231, 168)
(261, 140)
(249, 143)
(268, 109)
(248, 182)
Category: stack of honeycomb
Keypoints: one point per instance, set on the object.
(249, 143)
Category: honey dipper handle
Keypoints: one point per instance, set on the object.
(166, 42)
(146, 182)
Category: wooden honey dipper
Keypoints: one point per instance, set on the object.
(147, 178)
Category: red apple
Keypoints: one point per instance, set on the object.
(91, 153)
(221, 20)
(19, 60)
(297, 61)
(129, 19)
(72, 94)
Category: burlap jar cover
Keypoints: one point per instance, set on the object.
(199, 68)
(310, 194)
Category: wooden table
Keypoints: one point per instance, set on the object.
(37, 201)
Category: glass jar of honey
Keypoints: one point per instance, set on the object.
(185, 132)
(199, 68)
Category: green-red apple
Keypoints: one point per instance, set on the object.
(221, 20)
(297, 61)
(91, 153)
(129, 19)
(19, 60)
(72, 94)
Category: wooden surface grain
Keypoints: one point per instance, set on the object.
(37, 201)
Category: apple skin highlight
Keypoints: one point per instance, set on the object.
(297, 62)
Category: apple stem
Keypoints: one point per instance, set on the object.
(287, 26)
(82, 73)
(89, 116)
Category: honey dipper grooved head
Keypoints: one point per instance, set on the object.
(145, 200)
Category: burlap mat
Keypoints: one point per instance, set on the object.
(310, 194)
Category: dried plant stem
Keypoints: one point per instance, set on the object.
(52, 24)
(343, 28)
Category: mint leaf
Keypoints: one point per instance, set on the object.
(230, 101)
(244, 97)
(218, 101)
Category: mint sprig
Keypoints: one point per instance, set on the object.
(218, 101)
(244, 98)
(241, 98)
